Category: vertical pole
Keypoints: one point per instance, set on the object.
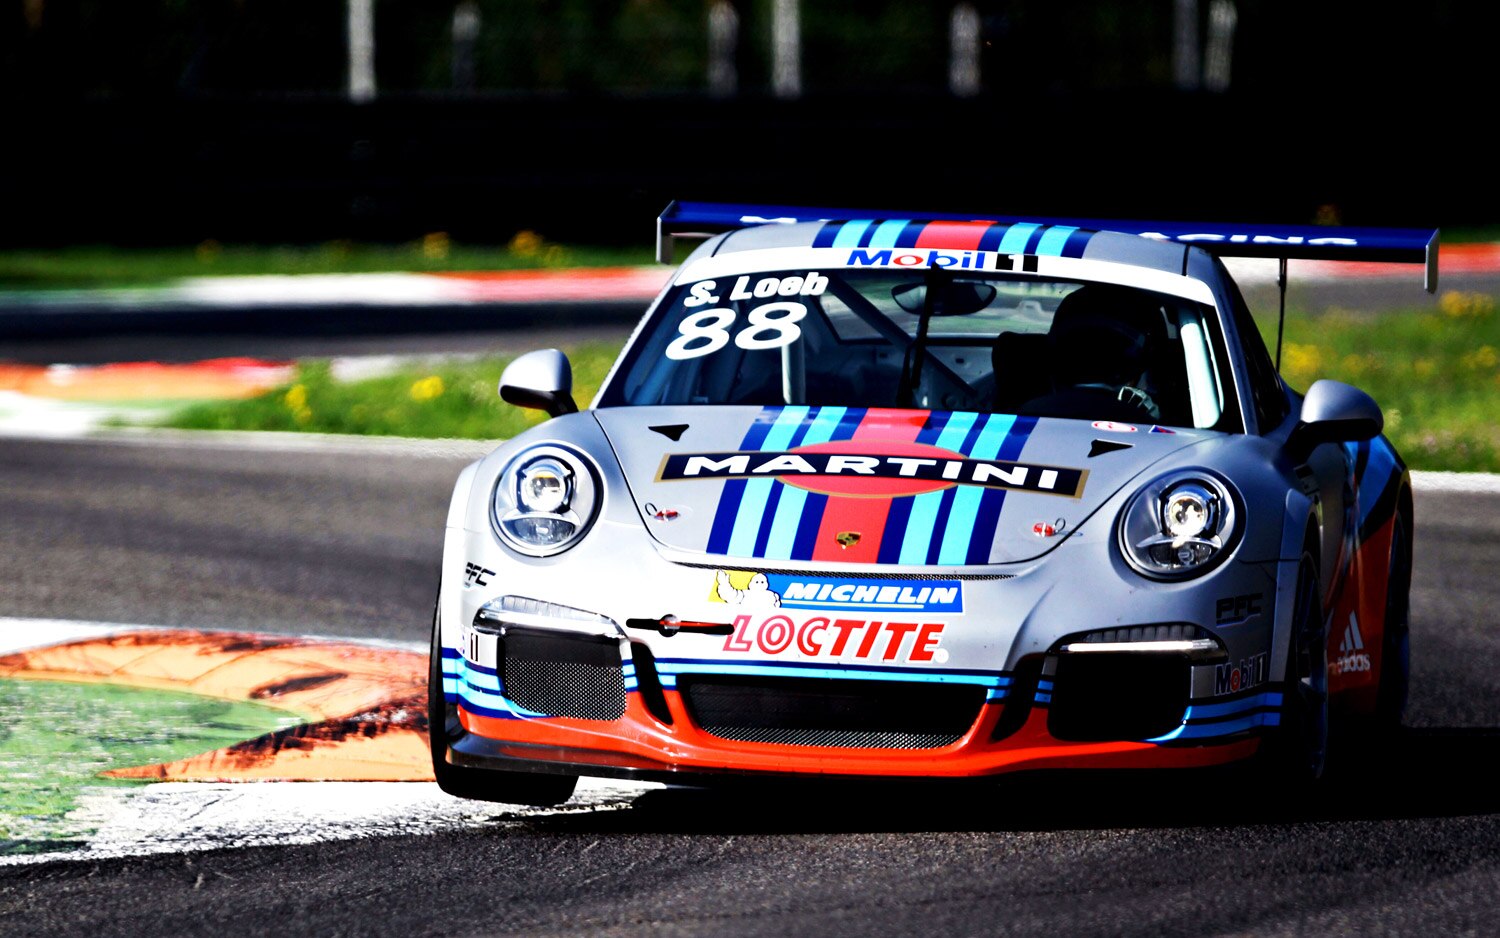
(466, 23)
(786, 49)
(723, 40)
(1281, 319)
(1217, 55)
(1185, 56)
(361, 50)
(963, 51)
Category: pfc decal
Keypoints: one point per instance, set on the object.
(1114, 427)
(1250, 672)
(1352, 656)
(844, 639)
(474, 575)
(744, 588)
(930, 474)
(1232, 610)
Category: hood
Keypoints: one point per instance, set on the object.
(873, 486)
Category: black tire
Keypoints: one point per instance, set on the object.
(462, 781)
(1296, 751)
(1395, 646)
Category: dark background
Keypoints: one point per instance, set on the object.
(135, 122)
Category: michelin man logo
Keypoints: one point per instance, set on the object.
(755, 594)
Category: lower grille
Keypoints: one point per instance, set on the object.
(839, 713)
(1108, 696)
(562, 675)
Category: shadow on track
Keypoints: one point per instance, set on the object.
(1419, 773)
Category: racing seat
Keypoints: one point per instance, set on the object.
(1101, 350)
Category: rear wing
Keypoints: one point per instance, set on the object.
(698, 220)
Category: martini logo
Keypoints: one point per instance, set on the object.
(876, 469)
(768, 590)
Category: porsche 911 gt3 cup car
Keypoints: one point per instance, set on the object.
(936, 497)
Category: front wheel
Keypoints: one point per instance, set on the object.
(462, 781)
(1297, 749)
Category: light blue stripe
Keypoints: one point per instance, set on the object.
(1205, 730)
(757, 491)
(1043, 698)
(753, 669)
(450, 686)
(995, 693)
(1234, 706)
(450, 666)
(924, 507)
(482, 681)
(885, 234)
(789, 509)
(1016, 237)
(495, 702)
(960, 530)
(1043, 684)
(1052, 242)
(849, 235)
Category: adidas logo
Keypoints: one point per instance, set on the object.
(1352, 655)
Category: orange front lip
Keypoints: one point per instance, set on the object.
(683, 747)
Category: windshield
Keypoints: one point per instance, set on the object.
(936, 339)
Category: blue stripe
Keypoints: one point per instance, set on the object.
(1054, 240)
(967, 498)
(1380, 467)
(1207, 730)
(1016, 237)
(1043, 698)
(450, 652)
(812, 512)
(825, 235)
(734, 490)
(1034, 240)
(784, 526)
(752, 508)
(987, 518)
(885, 234)
(1202, 711)
(1077, 241)
(910, 234)
(917, 540)
(990, 240)
(995, 693)
(848, 236)
(1043, 684)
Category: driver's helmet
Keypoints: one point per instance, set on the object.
(1105, 335)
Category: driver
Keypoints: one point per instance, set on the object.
(1100, 348)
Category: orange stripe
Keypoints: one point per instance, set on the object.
(954, 235)
(865, 516)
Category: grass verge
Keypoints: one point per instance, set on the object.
(103, 267)
(1436, 374)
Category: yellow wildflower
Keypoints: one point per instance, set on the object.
(427, 388)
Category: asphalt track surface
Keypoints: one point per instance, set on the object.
(1405, 839)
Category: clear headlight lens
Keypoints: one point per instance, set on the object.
(1179, 525)
(545, 500)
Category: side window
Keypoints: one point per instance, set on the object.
(1266, 390)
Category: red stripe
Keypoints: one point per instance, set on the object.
(955, 235)
(865, 515)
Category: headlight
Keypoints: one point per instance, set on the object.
(545, 500)
(1179, 525)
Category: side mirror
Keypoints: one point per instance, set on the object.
(1334, 412)
(540, 380)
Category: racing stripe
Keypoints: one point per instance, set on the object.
(812, 510)
(917, 537)
(1077, 241)
(1035, 239)
(782, 525)
(911, 234)
(895, 523)
(1052, 243)
(757, 492)
(867, 516)
(885, 234)
(1014, 241)
(826, 234)
(953, 235)
(987, 518)
(734, 489)
(990, 240)
(966, 498)
(849, 235)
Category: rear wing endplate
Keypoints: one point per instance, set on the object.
(698, 220)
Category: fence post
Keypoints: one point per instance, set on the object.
(723, 40)
(361, 50)
(786, 49)
(963, 51)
